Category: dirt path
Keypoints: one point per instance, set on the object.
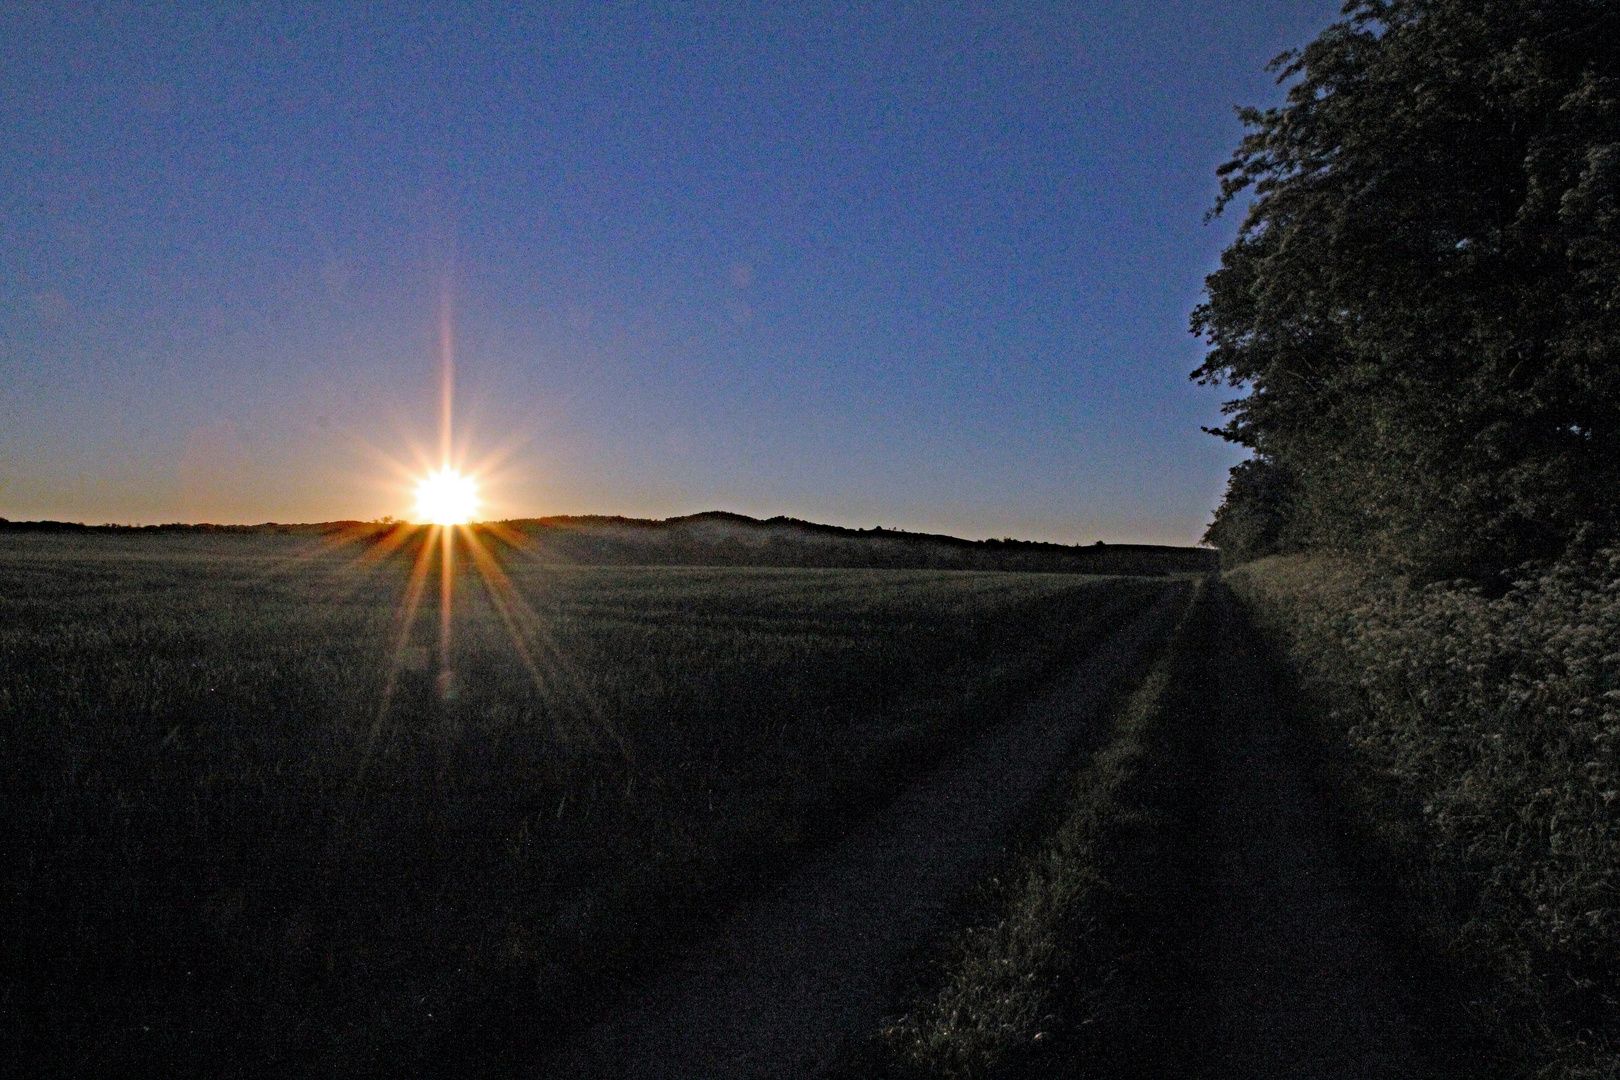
(1301, 981)
(789, 980)
(1269, 954)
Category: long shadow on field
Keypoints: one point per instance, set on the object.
(1264, 946)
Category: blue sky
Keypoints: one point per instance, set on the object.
(926, 266)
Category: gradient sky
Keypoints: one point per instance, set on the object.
(920, 265)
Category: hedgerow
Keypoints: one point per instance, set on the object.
(1480, 736)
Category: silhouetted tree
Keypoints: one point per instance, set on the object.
(1253, 520)
(1424, 298)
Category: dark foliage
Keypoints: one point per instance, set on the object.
(1424, 298)
(1253, 520)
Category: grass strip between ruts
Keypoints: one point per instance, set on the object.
(1039, 972)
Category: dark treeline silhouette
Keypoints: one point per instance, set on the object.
(723, 539)
(1424, 297)
(268, 527)
(718, 538)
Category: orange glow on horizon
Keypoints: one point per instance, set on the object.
(447, 502)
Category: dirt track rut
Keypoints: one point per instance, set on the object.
(1300, 980)
(1269, 952)
(781, 989)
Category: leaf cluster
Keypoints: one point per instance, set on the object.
(1423, 299)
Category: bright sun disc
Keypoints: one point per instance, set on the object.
(446, 498)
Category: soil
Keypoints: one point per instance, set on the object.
(814, 962)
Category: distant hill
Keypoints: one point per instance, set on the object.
(718, 538)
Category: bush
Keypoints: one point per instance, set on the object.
(1481, 737)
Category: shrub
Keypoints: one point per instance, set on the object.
(1481, 737)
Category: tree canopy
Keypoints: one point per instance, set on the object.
(1423, 299)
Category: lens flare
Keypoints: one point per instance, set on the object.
(445, 497)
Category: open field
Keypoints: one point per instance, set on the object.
(716, 538)
(789, 983)
(244, 824)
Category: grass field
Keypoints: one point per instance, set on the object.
(244, 823)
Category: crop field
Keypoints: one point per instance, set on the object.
(253, 813)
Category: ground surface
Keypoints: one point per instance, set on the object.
(258, 820)
(1260, 947)
(782, 989)
(1269, 950)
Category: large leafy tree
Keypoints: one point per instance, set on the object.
(1423, 300)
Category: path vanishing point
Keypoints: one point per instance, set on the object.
(1271, 959)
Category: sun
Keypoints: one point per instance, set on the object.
(446, 497)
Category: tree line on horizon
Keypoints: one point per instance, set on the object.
(1423, 299)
